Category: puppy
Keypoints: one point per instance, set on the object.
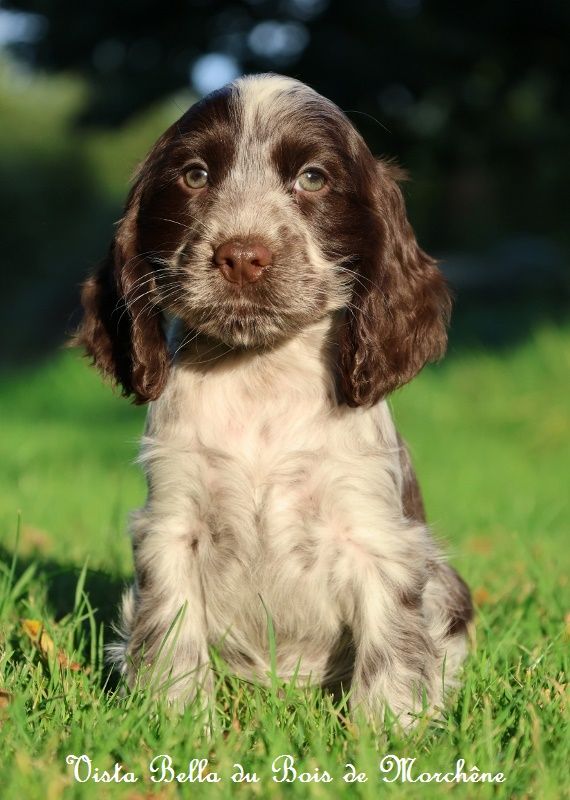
(265, 293)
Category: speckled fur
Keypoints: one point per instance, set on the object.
(267, 495)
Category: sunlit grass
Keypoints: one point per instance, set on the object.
(490, 435)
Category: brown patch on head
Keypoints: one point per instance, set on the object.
(121, 328)
(329, 142)
(400, 305)
(207, 134)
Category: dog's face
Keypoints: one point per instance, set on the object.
(260, 211)
(247, 224)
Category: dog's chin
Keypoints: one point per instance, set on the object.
(243, 331)
(250, 329)
(250, 334)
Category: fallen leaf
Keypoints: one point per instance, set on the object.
(5, 698)
(35, 540)
(35, 630)
(481, 596)
(546, 695)
(65, 662)
(480, 544)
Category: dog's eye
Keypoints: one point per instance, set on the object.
(311, 180)
(196, 177)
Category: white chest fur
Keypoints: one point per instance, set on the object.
(275, 493)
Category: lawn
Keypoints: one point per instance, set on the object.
(490, 436)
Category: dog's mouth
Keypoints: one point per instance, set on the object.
(244, 325)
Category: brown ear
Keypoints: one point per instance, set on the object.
(121, 329)
(400, 308)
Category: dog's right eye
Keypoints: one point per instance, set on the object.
(196, 178)
(311, 180)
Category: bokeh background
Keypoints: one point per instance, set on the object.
(472, 98)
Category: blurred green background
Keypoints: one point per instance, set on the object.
(473, 99)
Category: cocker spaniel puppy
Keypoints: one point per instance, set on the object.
(265, 293)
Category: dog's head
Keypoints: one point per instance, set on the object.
(260, 211)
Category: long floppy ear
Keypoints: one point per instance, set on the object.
(121, 330)
(398, 314)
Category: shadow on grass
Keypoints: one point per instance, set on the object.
(103, 590)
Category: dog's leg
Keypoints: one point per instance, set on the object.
(166, 644)
(396, 661)
(383, 575)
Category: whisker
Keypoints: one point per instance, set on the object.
(207, 228)
(215, 358)
(190, 337)
(152, 303)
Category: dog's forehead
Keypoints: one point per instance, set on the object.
(266, 102)
(262, 108)
(273, 106)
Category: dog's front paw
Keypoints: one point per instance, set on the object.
(162, 656)
(395, 702)
(387, 685)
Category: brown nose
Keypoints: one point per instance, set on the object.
(242, 261)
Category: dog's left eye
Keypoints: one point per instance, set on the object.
(196, 178)
(311, 180)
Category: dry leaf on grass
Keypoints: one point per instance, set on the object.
(483, 545)
(481, 596)
(35, 630)
(33, 540)
(5, 698)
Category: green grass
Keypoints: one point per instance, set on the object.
(490, 435)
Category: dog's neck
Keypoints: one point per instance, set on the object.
(279, 399)
(305, 363)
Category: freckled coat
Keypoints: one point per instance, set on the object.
(278, 484)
